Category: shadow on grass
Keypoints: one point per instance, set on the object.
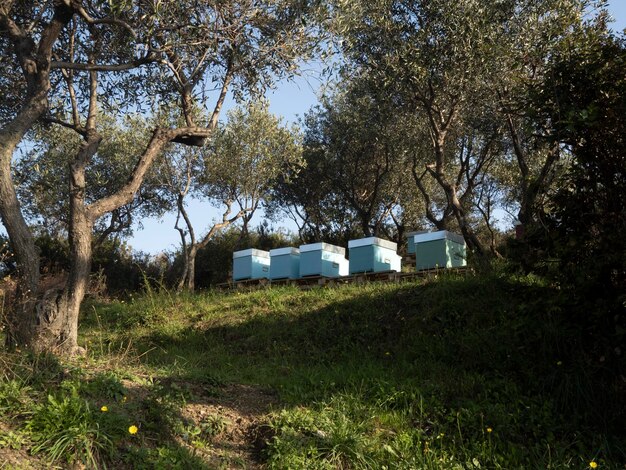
(401, 335)
(481, 351)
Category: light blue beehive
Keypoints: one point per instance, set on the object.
(373, 255)
(323, 259)
(410, 244)
(285, 263)
(440, 249)
(251, 264)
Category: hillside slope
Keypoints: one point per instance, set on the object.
(454, 373)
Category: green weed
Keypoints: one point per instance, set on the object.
(66, 429)
(14, 395)
(12, 439)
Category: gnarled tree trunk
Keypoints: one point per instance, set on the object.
(34, 60)
(58, 312)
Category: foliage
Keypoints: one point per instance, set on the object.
(248, 154)
(462, 72)
(355, 177)
(115, 266)
(452, 373)
(236, 172)
(14, 394)
(42, 176)
(214, 261)
(79, 57)
(79, 417)
(7, 261)
(65, 428)
(583, 103)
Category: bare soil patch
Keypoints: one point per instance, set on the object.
(241, 410)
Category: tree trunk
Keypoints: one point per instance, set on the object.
(58, 312)
(365, 226)
(20, 324)
(473, 243)
(34, 61)
(244, 236)
(191, 269)
(188, 278)
(441, 224)
(183, 277)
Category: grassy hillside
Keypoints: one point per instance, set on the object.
(455, 373)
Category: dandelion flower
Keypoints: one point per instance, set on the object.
(489, 430)
(559, 363)
(104, 408)
(133, 429)
(387, 353)
(593, 464)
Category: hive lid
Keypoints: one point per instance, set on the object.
(440, 235)
(251, 252)
(373, 241)
(323, 247)
(417, 232)
(289, 250)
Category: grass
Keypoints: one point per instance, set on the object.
(466, 373)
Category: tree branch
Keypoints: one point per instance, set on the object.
(103, 67)
(160, 138)
(110, 21)
(226, 221)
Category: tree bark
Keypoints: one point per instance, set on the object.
(58, 312)
(48, 321)
(34, 60)
(365, 224)
(530, 187)
(20, 325)
(470, 237)
(190, 250)
(191, 268)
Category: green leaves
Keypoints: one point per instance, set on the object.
(248, 154)
(64, 428)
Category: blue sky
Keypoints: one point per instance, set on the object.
(290, 99)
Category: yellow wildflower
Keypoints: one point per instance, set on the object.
(104, 409)
(489, 430)
(559, 363)
(593, 464)
(133, 429)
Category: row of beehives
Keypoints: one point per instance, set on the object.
(432, 249)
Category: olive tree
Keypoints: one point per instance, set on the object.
(236, 171)
(41, 178)
(64, 61)
(461, 67)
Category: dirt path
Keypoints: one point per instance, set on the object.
(238, 412)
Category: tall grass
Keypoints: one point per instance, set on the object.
(481, 372)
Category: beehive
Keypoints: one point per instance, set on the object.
(441, 249)
(285, 263)
(373, 255)
(410, 244)
(323, 259)
(251, 264)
